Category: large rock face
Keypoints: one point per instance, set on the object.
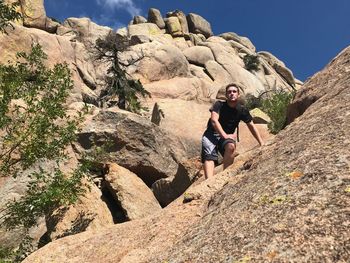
(134, 143)
(288, 201)
(183, 67)
(316, 87)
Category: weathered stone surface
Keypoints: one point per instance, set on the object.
(198, 25)
(134, 143)
(177, 112)
(182, 88)
(291, 202)
(198, 55)
(271, 59)
(238, 39)
(51, 25)
(174, 26)
(319, 86)
(135, 198)
(89, 213)
(286, 74)
(248, 81)
(223, 53)
(182, 19)
(14, 188)
(217, 72)
(165, 62)
(33, 12)
(168, 189)
(139, 20)
(85, 70)
(181, 43)
(240, 48)
(10, 189)
(279, 66)
(196, 38)
(259, 116)
(200, 72)
(215, 39)
(146, 29)
(154, 16)
(85, 30)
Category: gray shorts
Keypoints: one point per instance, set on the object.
(212, 143)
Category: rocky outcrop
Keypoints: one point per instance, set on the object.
(134, 143)
(182, 20)
(317, 87)
(134, 197)
(198, 55)
(239, 39)
(144, 29)
(287, 201)
(139, 20)
(168, 189)
(279, 66)
(34, 15)
(291, 200)
(84, 30)
(174, 26)
(155, 17)
(183, 67)
(260, 117)
(198, 25)
(158, 62)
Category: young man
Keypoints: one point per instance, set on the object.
(220, 132)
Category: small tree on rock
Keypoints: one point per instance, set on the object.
(118, 83)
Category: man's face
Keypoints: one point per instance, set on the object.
(232, 94)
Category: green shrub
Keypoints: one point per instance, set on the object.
(34, 127)
(275, 105)
(251, 62)
(8, 13)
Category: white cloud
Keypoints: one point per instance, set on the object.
(108, 21)
(127, 5)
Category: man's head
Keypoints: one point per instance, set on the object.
(232, 92)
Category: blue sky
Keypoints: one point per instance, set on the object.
(304, 34)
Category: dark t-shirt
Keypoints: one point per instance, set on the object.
(229, 118)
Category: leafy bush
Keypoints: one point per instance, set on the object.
(35, 126)
(275, 105)
(251, 62)
(33, 117)
(8, 13)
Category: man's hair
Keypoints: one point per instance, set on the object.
(239, 87)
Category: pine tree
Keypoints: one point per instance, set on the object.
(118, 82)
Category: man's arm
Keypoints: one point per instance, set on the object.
(217, 126)
(255, 132)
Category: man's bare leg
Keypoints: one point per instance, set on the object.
(229, 155)
(208, 168)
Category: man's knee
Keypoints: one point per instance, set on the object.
(230, 148)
